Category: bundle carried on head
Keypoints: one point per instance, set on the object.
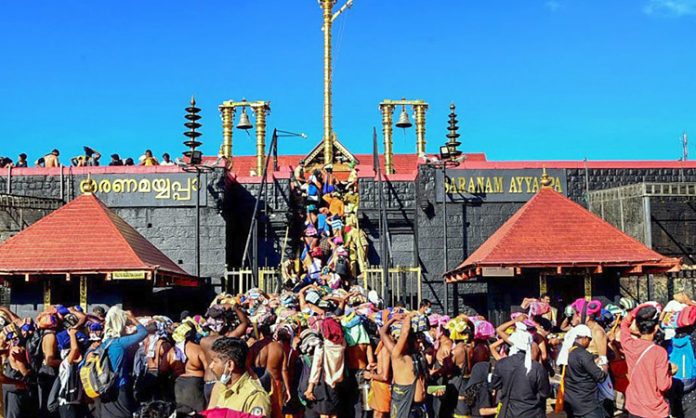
(587, 309)
(191, 328)
(459, 328)
(224, 299)
(483, 330)
(309, 340)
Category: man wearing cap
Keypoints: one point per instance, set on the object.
(581, 378)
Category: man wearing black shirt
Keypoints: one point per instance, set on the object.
(581, 378)
(522, 383)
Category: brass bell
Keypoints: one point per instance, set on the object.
(403, 122)
(244, 122)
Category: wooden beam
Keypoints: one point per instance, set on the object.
(588, 287)
(559, 270)
(47, 293)
(83, 293)
(543, 285)
(635, 270)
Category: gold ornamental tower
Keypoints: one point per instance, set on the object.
(329, 16)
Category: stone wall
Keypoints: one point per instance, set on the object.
(470, 224)
(415, 217)
(171, 229)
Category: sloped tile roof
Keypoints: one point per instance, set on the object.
(82, 236)
(551, 230)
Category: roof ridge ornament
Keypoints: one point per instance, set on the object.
(90, 186)
(546, 182)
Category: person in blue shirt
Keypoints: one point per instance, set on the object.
(121, 351)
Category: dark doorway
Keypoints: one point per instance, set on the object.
(506, 294)
(564, 290)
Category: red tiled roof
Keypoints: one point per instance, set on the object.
(83, 236)
(553, 231)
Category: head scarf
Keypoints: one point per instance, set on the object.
(568, 342)
(114, 323)
(289, 300)
(420, 323)
(522, 342)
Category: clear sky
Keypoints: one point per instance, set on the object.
(532, 79)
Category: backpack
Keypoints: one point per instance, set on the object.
(96, 375)
(681, 353)
(34, 351)
(341, 267)
(139, 374)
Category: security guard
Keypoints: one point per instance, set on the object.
(236, 389)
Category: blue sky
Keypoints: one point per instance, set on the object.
(532, 79)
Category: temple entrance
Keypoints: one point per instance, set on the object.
(563, 291)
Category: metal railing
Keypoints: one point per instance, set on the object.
(242, 279)
(403, 283)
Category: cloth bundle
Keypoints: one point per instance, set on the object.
(354, 330)
(309, 340)
(189, 325)
(458, 328)
(483, 330)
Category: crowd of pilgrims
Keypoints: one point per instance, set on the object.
(326, 346)
(337, 353)
(88, 158)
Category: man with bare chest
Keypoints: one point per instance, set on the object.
(220, 322)
(190, 364)
(268, 360)
(409, 369)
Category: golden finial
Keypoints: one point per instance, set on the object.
(546, 182)
(88, 186)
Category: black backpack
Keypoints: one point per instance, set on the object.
(341, 267)
(34, 350)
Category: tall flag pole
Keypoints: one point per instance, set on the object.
(384, 229)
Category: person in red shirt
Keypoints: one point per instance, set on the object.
(649, 371)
